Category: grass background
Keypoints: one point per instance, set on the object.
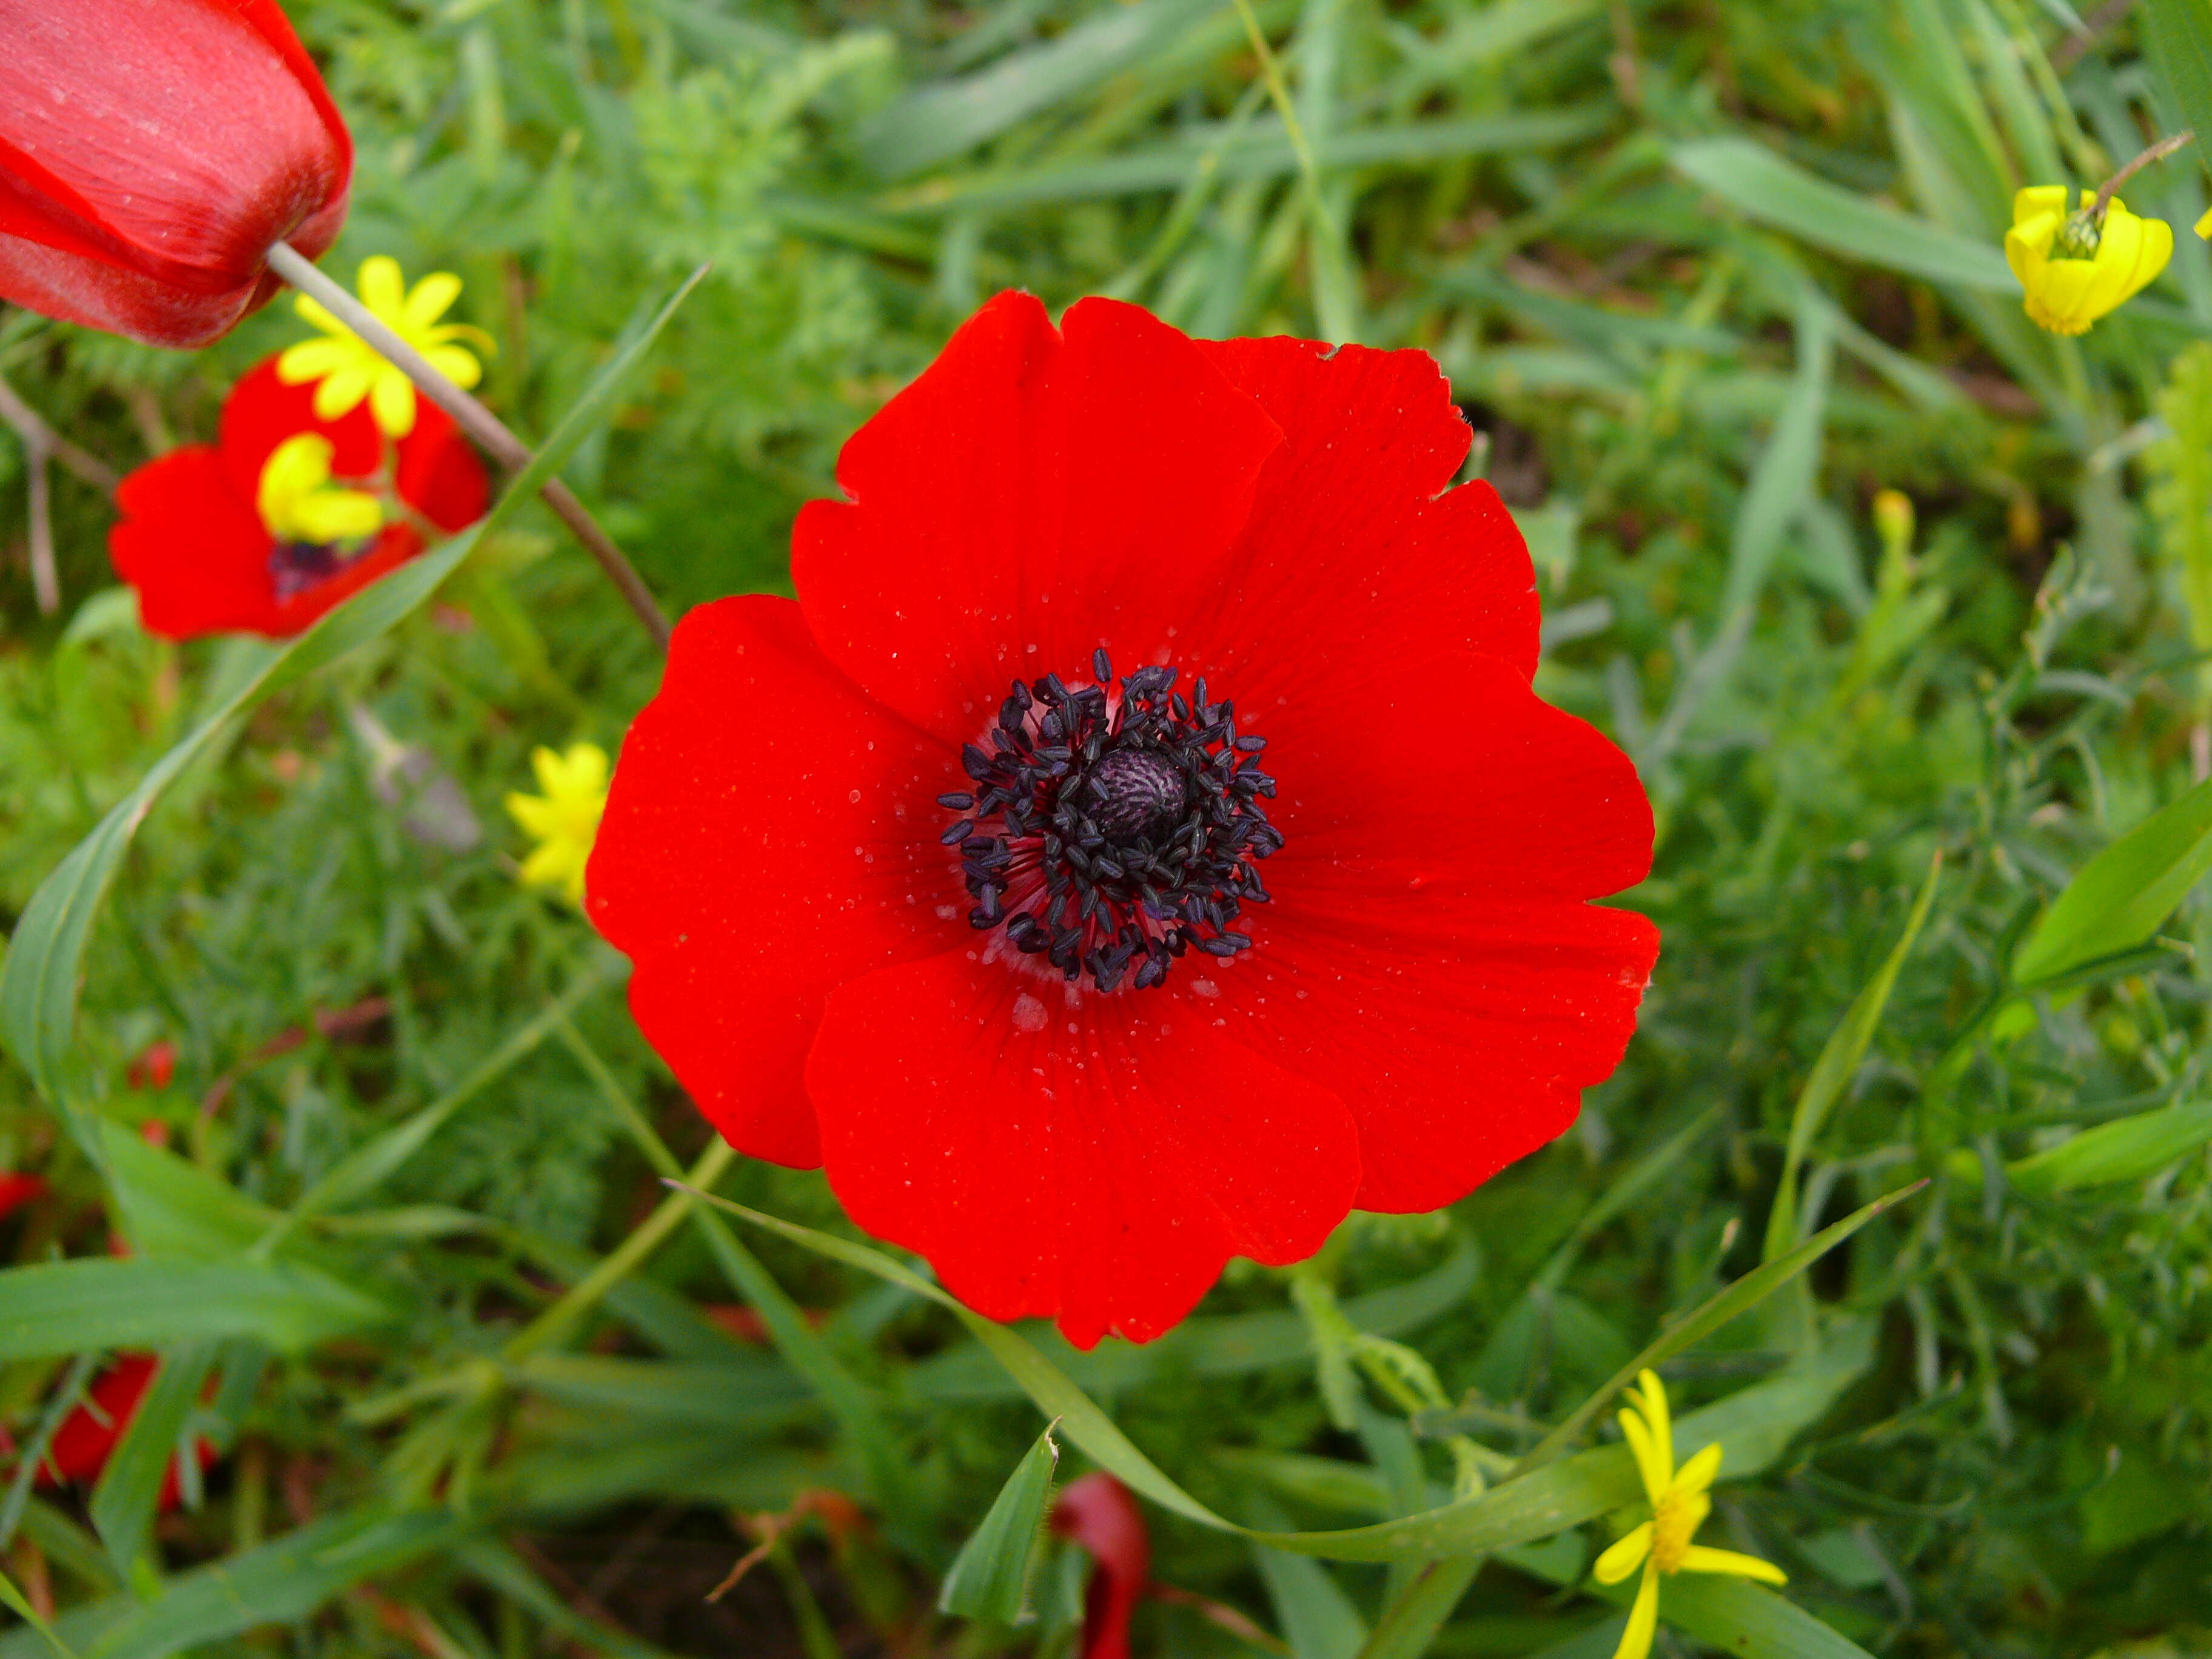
(1706, 278)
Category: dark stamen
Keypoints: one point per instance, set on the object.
(1110, 836)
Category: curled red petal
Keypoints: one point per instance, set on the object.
(1100, 1514)
(151, 155)
(155, 1068)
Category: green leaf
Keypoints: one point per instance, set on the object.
(1564, 1494)
(1740, 1618)
(1749, 176)
(129, 1489)
(66, 1307)
(990, 1576)
(2128, 1149)
(274, 1585)
(939, 121)
(22, 1609)
(43, 971)
(1410, 1623)
(2117, 901)
(1264, 151)
(1838, 1063)
(1789, 467)
(1732, 1303)
(2177, 37)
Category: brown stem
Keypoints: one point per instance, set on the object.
(42, 445)
(2157, 152)
(478, 423)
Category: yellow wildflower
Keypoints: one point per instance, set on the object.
(2075, 267)
(564, 820)
(2204, 225)
(298, 503)
(1662, 1546)
(350, 369)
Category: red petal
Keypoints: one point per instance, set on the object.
(17, 1190)
(1099, 1163)
(398, 543)
(770, 834)
(1398, 775)
(1460, 1032)
(82, 1445)
(1425, 955)
(1355, 551)
(437, 473)
(151, 155)
(261, 412)
(1031, 496)
(1099, 1514)
(197, 554)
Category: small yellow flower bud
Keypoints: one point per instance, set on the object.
(1893, 517)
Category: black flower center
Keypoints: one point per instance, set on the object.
(295, 567)
(1114, 828)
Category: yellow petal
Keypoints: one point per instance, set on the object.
(311, 359)
(432, 296)
(539, 816)
(1660, 1419)
(341, 392)
(391, 400)
(2027, 247)
(338, 515)
(551, 864)
(314, 311)
(1698, 1558)
(1642, 1620)
(456, 363)
(2038, 199)
(2204, 225)
(1649, 1464)
(383, 290)
(1627, 1553)
(2152, 251)
(1697, 1473)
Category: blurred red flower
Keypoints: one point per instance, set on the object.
(155, 1069)
(1099, 1513)
(196, 537)
(17, 1190)
(920, 889)
(151, 153)
(87, 1435)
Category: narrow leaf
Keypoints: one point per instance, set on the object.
(2126, 1150)
(129, 1489)
(67, 1307)
(2177, 37)
(990, 1576)
(1841, 1058)
(1749, 176)
(2117, 899)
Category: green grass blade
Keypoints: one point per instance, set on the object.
(1776, 192)
(68, 1307)
(1737, 1300)
(129, 1489)
(1838, 1063)
(2118, 898)
(989, 1578)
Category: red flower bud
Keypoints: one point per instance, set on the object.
(151, 153)
(1100, 1514)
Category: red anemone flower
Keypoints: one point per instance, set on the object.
(151, 153)
(949, 875)
(17, 1190)
(87, 1436)
(215, 540)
